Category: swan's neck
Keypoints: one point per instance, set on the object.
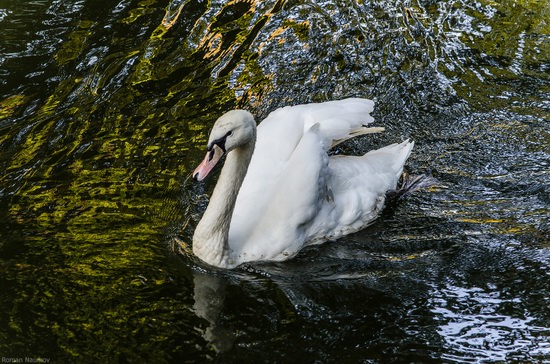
(211, 238)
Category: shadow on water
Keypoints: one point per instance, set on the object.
(104, 110)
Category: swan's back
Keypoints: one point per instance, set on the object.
(294, 193)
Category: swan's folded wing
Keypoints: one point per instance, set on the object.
(280, 133)
(278, 139)
(280, 228)
(337, 120)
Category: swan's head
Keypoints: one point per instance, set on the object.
(233, 129)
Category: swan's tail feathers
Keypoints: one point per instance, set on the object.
(363, 130)
(398, 154)
(409, 184)
(405, 149)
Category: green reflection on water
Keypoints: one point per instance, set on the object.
(508, 49)
(90, 186)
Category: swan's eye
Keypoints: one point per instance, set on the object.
(230, 132)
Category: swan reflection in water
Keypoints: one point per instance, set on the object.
(209, 297)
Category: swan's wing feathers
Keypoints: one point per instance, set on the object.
(337, 120)
(296, 198)
(363, 130)
(355, 112)
(279, 135)
(294, 194)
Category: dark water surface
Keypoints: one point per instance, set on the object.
(105, 107)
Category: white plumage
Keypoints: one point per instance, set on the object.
(292, 194)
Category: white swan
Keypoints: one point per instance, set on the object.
(279, 191)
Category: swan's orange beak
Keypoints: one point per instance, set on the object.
(212, 157)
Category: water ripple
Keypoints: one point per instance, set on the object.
(475, 331)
